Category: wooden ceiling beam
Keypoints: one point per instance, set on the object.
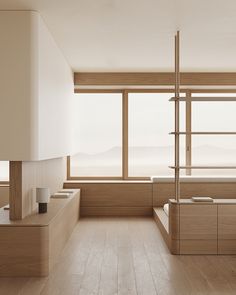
(155, 79)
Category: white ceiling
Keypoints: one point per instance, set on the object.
(137, 35)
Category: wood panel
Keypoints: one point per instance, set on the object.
(31, 247)
(61, 228)
(164, 191)
(227, 247)
(23, 251)
(227, 222)
(174, 229)
(198, 222)
(158, 78)
(15, 196)
(115, 211)
(198, 247)
(227, 229)
(134, 194)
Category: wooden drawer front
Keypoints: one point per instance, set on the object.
(198, 222)
(227, 222)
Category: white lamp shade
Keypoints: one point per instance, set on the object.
(42, 195)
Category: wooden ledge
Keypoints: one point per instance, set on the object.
(108, 181)
(55, 206)
(155, 78)
(215, 202)
(195, 179)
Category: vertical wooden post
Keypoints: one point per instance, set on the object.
(68, 167)
(15, 196)
(177, 93)
(188, 132)
(125, 138)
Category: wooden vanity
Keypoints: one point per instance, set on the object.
(31, 246)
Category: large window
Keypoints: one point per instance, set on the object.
(98, 125)
(125, 135)
(214, 150)
(151, 148)
(4, 171)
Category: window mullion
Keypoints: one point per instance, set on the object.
(125, 135)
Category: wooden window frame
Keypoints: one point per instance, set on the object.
(125, 94)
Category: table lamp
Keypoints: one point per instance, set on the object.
(42, 198)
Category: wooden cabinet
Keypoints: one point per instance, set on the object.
(203, 228)
(227, 229)
(198, 229)
(31, 246)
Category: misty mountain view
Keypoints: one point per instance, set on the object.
(148, 161)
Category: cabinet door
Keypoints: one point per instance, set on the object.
(227, 229)
(198, 229)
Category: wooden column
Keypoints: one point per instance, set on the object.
(15, 195)
(177, 94)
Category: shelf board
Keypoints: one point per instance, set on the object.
(204, 98)
(202, 167)
(203, 133)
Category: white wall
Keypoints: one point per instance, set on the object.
(17, 70)
(36, 89)
(56, 88)
(49, 173)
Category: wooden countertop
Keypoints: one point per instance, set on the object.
(215, 202)
(35, 219)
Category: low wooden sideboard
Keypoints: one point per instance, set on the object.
(30, 247)
(199, 228)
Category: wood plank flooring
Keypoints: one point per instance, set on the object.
(126, 256)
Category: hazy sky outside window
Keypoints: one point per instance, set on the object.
(151, 147)
(215, 150)
(4, 171)
(98, 131)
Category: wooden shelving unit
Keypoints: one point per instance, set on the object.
(177, 99)
(202, 98)
(203, 133)
(202, 167)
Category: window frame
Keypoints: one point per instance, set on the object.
(125, 145)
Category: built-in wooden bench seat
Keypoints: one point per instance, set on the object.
(31, 246)
(199, 227)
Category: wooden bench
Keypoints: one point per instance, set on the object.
(199, 228)
(31, 247)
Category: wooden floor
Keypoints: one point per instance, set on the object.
(127, 256)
